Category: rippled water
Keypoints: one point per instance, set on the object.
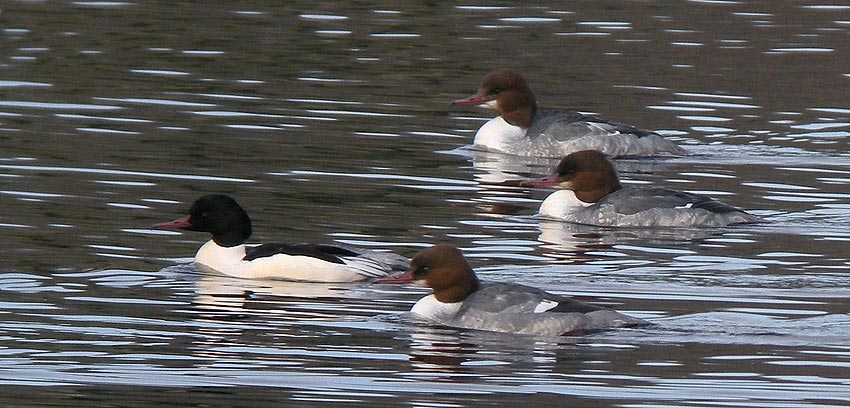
(330, 123)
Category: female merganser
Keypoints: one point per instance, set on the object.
(226, 252)
(593, 195)
(523, 130)
(461, 300)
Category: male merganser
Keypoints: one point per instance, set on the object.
(521, 129)
(592, 195)
(461, 300)
(226, 252)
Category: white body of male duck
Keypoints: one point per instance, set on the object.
(523, 130)
(461, 300)
(227, 253)
(592, 195)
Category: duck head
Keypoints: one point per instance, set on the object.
(217, 214)
(588, 173)
(442, 268)
(506, 92)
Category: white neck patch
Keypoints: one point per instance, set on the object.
(491, 104)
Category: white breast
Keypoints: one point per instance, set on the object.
(499, 135)
(561, 204)
(432, 309)
(219, 258)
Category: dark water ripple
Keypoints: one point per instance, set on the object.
(330, 122)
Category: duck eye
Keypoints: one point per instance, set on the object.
(496, 91)
(567, 171)
(422, 270)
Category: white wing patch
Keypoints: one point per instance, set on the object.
(688, 205)
(545, 305)
(599, 128)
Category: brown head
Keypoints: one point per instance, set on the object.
(443, 269)
(588, 173)
(506, 92)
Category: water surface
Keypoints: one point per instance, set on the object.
(330, 123)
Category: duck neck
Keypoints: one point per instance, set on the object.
(458, 291)
(520, 110)
(234, 234)
(604, 184)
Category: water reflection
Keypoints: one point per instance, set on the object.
(562, 238)
(230, 317)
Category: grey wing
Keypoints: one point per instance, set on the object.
(632, 200)
(563, 126)
(367, 266)
(619, 128)
(511, 298)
